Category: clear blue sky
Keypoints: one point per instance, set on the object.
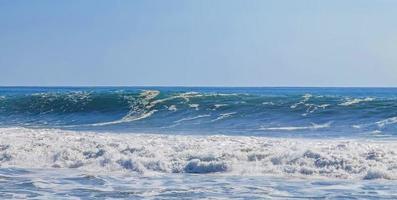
(199, 42)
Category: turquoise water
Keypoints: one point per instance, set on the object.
(170, 142)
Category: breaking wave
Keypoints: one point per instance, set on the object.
(150, 154)
(161, 110)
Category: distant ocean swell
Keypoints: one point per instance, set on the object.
(192, 111)
(236, 155)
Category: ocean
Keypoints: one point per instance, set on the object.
(198, 143)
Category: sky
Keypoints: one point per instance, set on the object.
(198, 43)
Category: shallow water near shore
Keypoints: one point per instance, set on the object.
(73, 184)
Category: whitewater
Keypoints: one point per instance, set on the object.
(147, 154)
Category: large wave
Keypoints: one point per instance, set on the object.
(150, 154)
(158, 110)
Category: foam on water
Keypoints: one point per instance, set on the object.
(191, 118)
(294, 128)
(153, 154)
(75, 184)
(224, 115)
(388, 121)
(353, 101)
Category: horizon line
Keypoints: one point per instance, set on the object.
(184, 86)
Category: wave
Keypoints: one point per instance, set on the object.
(305, 97)
(225, 112)
(150, 154)
(350, 102)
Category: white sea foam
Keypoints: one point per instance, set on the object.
(376, 132)
(219, 105)
(388, 121)
(172, 108)
(305, 98)
(313, 126)
(356, 126)
(149, 94)
(356, 101)
(224, 115)
(148, 154)
(147, 111)
(191, 118)
(195, 106)
(268, 103)
(310, 107)
(125, 119)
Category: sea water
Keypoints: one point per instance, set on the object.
(190, 143)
